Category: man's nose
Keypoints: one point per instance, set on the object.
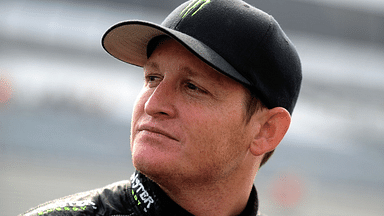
(161, 103)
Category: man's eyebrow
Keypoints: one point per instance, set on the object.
(150, 64)
(189, 71)
(215, 75)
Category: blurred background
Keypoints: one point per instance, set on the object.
(65, 104)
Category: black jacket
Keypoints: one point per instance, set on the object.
(139, 196)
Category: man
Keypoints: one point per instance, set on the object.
(221, 82)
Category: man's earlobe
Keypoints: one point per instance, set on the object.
(272, 130)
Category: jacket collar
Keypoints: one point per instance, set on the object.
(149, 199)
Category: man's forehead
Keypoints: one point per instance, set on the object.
(150, 64)
(190, 65)
(187, 71)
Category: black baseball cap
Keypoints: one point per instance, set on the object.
(231, 36)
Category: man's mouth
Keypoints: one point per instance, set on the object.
(157, 131)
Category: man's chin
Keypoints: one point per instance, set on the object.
(153, 160)
(151, 165)
(154, 171)
(167, 175)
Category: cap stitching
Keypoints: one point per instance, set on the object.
(267, 33)
(261, 42)
(255, 90)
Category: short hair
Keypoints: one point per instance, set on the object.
(253, 105)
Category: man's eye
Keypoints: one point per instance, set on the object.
(192, 87)
(152, 81)
(151, 78)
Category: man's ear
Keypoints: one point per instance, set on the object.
(273, 127)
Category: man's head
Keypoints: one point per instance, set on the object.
(247, 67)
(190, 121)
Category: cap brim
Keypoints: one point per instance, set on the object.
(128, 41)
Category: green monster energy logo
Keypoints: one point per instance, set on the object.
(194, 4)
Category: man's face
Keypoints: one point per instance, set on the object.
(188, 122)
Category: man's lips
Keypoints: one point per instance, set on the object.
(156, 130)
